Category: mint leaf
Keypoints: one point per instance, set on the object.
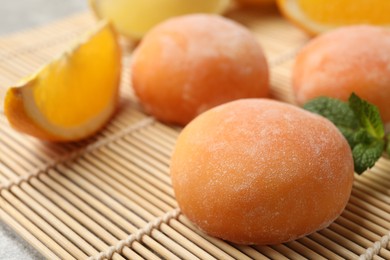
(333, 109)
(365, 155)
(368, 116)
(362, 136)
(338, 112)
(360, 123)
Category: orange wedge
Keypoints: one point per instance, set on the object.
(133, 18)
(317, 16)
(73, 96)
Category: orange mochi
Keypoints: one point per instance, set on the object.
(191, 63)
(350, 59)
(257, 171)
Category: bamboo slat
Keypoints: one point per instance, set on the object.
(111, 197)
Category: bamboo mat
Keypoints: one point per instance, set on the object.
(111, 196)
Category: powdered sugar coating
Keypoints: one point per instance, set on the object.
(189, 64)
(261, 171)
(350, 59)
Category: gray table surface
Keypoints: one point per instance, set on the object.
(15, 16)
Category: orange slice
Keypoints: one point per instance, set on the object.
(322, 15)
(133, 18)
(73, 96)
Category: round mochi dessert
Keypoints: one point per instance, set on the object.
(191, 63)
(350, 59)
(257, 171)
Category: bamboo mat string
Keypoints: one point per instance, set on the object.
(375, 248)
(155, 224)
(79, 152)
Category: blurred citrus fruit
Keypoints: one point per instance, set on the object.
(133, 18)
(73, 96)
(255, 2)
(317, 16)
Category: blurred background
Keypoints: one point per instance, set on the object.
(16, 16)
(21, 15)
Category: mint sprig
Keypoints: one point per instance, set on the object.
(368, 116)
(360, 123)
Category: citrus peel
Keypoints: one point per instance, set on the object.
(74, 95)
(133, 18)
(318, 16)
